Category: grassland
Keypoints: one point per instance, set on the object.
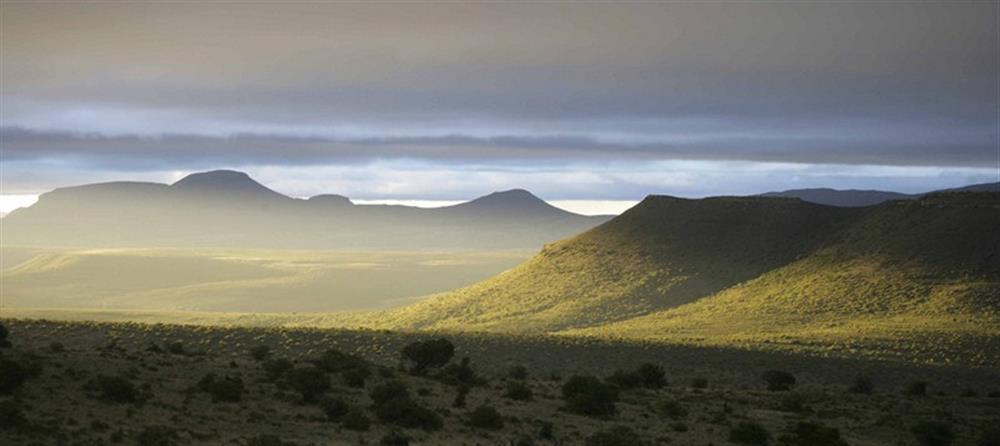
(58, 404)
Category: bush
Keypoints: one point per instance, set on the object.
(336, 361)
(260, 352)
(463, 391)
(405, 412)
(811, 434)
(334, 408)
(862, 384)
(394, 438)
(518, 372)
(916, 388)
(388, 391)
(176, 348)
(157, 436)
(355, 377)
(699, 383)
(12, 376)
(115, 389)
(11, 416)
(356, 420)
(793, 402)
(933, 433)
(4, 342)
(266, 440)
(989, 437)
(428, 354)
(671, 409)
(652, 375)
(750, 433)
(486, 417)
(276, 368)
(459, 374)
(778, 380)
(311, 382)
(616, 436)
(57, 347)
(625, 379)
(518, 391)
(587, 395)
(228, 389)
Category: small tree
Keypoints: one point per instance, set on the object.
(428, 354)
(778, 380)
(587, 395)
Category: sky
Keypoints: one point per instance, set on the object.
(599, 103)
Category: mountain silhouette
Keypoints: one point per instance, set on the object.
(859, 198)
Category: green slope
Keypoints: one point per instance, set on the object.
(663, 253)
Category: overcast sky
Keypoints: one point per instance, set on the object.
(602, 101)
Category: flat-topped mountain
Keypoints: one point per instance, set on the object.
(229, 209)
(857, 198)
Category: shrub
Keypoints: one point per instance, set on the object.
(428, 354)
(405, 412)
(157, 436)
(916, 388)
(652, 375)
(989, 437)
(176, 348)
(968, 393)
(266, 440)
(518, 372)
(388, 391)
(587, 395)
(11, 416)
(311, 382)
(394, 438)
(260, 352)
(276, 368)
(699, 383)
(463, 391)
(228, 389)
(625, 379)
(812, 434)
(355, 377)
(12, 376)
(458, 374)
(334, 408)
(518, 391)
(750, 433)
(545, 430)
(4, 342)
(671, 409)
(486, 417)
(616, 436)
(933, 433)
(336, 361)
(778, 380)
(356, 420)
(115, 389)
(792, 402)
(862, 384)
(57, 347)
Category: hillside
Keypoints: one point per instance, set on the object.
(919, 276)
(228, 209)
(860, 198)
(662, 253)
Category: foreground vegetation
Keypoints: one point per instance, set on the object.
(126, 383)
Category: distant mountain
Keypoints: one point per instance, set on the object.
(229, 209)
(903, 274)
(858, 198)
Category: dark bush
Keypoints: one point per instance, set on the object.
(463, 391)
(176, 348)
(792, 402)
(356, 420)
(115, 389)
(545, 430)
(458, 374)
(405, 412)
(336, 361)
(57, 347)
(267, 440)
(968, 393)
(518, 391)
(587, 395)
(750, 433)
(653, 376)
(4, 342)
(933, 433)
(916, 388)
(355, 377)
(388, 391)
(11, 416)
(276, 368)
(12, 376)
(989, 437)
(334, 408)
(778, 380)
(228, 389)
(157, 436)
(486, 417)
(699, 383)
(862, 384)
(811, 434)
(518, 372)
(311, 382)
(616, 436)
(671, 409)
(394, 438)
(428, 354)
(625, 379)
(260, 352)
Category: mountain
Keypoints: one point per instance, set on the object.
(921, 273)
(858, 198)
(225, 208)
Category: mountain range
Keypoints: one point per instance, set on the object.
(229, 209)
(858, 198)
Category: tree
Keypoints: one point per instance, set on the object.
(587, 395)
(428, 354)
(311, 382)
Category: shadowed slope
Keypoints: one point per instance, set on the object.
(660, 254)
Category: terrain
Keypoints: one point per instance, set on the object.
(128, 383)
(858, 198)
(228, 209)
